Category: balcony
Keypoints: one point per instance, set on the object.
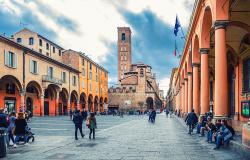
(46, 78)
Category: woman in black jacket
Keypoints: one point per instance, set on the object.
(20, 128)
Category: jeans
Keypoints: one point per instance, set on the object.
(198, 130)
(11, 137)
(209, 136)
(76, 129)
(92, 131)
(190, 128)
(19, 136)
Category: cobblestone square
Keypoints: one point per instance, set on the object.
(128, 138)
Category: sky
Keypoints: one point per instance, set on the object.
(90, 26)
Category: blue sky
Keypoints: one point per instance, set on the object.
(90, 26)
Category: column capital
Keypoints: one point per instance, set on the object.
(195, 65)
(220, 24)
(204, 50)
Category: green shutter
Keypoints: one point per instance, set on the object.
(6, 58)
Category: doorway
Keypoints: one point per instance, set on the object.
(46, 108)
(29, 105)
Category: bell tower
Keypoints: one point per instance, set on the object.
(124, 50)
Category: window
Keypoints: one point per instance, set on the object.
(74, 80)
(10, 88)
(246, 75)
(33, 67)
(60, 52)
(123, 36)
(31, 41)
(54, 49)
(125, 67)
(96, 78)
(90, 75)
(83, 62)
(19, 40)
(10, 59)
(63, 77)
(40, 42)
(90, 87)
(47, 46)
(96, 70)
(121, 57)
(40, 51)
(90, 66)
(101, 90)
(47, 54)
(50, 72)
(125, 58)
(96, 90)
(83, 72)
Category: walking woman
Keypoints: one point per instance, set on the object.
(92, 124)
(11, 126)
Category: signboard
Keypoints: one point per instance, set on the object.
(245, 109)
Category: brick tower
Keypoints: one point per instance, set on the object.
(124, 50)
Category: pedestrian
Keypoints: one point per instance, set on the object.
(70, 114)
(84, 114)
(92, 124)
(167, 112)
(20, 128)
(78, 119)
(12, 119)
(149, 115)
(4, 125)
(210, 127)
(153, 116)
(191, 121)
(223, 135)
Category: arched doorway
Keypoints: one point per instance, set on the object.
(150, 103)
(90, 102)
(10, 98)
(101, 104)
(83, 101)
(33, 92)
(29, 105)
(73, 100)
(63, 102)
(50, 95)
(96, 104)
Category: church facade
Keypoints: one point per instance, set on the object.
(138, 88)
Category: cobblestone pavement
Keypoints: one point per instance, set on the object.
(128, 138)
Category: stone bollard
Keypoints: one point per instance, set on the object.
(246, 135)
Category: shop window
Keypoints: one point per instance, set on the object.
(246, 75)
(10, 88)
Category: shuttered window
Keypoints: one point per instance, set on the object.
(63, 77)
(246, 75)
(10, 59)
(33, 67)
(74, 80)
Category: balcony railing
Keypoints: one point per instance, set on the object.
(50, 79)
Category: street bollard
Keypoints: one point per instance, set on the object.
(2, 143)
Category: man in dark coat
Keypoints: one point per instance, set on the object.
(191, 120)
(4, 124)
(78, 119)
(84, 114)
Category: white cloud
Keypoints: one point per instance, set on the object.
(164, 84)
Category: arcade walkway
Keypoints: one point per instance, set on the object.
(128, 138)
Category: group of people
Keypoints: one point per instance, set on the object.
(13, 126)
(219, 132)
(79, 118)
(152, 115)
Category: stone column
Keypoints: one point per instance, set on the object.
(57, 104)
(186, 95)
(196, 90)
(190, 100)
(204, 81)
(42, 105)
(22, 101)
(221, 80)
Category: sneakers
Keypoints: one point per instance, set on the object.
(83, 136)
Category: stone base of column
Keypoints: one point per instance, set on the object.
(221, 117)
(246, 135)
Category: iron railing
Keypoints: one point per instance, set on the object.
(46, 78)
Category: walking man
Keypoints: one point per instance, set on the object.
(78, 119)
(191, 120)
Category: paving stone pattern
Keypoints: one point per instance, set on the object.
(128, 138)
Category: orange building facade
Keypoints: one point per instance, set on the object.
(214, 71)
(39, 75)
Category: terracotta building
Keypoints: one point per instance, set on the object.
(137, 84)
(35, 76)
(214, 71)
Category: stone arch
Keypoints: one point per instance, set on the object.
(34, 86)
(14, 80)
(73, 100)
(90, 102)
(63, 102)
(206, 25)
(96, 104)
(101, 104)
(195, 49)
(33, 93)
(83, 100)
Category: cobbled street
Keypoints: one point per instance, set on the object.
(128, 138)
